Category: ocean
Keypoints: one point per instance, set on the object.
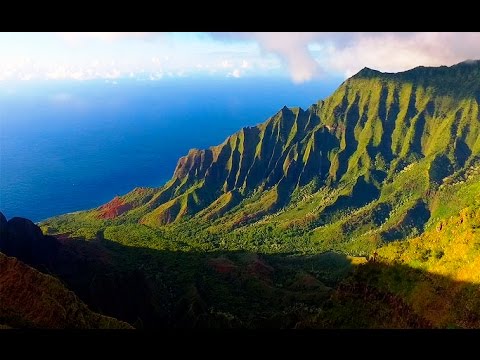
(70, 145)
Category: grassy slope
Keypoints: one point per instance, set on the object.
(31, 299)
(300, 183)
(398, 133)
(436, 275)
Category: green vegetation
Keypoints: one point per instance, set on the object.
(380, 165)
(380, 159)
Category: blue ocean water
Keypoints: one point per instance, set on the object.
(68, 146)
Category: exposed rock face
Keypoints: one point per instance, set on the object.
(113, 208)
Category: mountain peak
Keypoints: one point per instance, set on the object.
(461, 80)
(469, 62)
(468, 65)
(366, 73)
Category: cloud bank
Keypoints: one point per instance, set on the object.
(148, 55)
(308, 55)
(75, 37)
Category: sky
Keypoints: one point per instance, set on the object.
(154, 56)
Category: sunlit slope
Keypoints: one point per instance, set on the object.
(427, 281)
(365, 166)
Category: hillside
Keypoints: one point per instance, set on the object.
(360, 211)
(430, 281)
(31, 299)
(363, 167)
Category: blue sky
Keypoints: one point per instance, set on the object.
(155, 56)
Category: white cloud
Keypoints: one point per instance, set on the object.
(58, 73)
(106, 36)
(293, 49)
(26, 77)
(157, 75)
(303, 56)
(112, 74)
(235, 73)
(226, 64)
(393, 52)
(307, 55)
(63, 72)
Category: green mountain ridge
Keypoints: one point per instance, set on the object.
(361, 211)
(378, 148)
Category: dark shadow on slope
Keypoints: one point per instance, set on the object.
(440, 168)
(412, 223)
(381, 295)
(318, 164)
(461, 152)
(167, 289)
(388, 117)
(349, 143)
(418, 131)
(361, 194)
(30, 299)
(23, 239)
